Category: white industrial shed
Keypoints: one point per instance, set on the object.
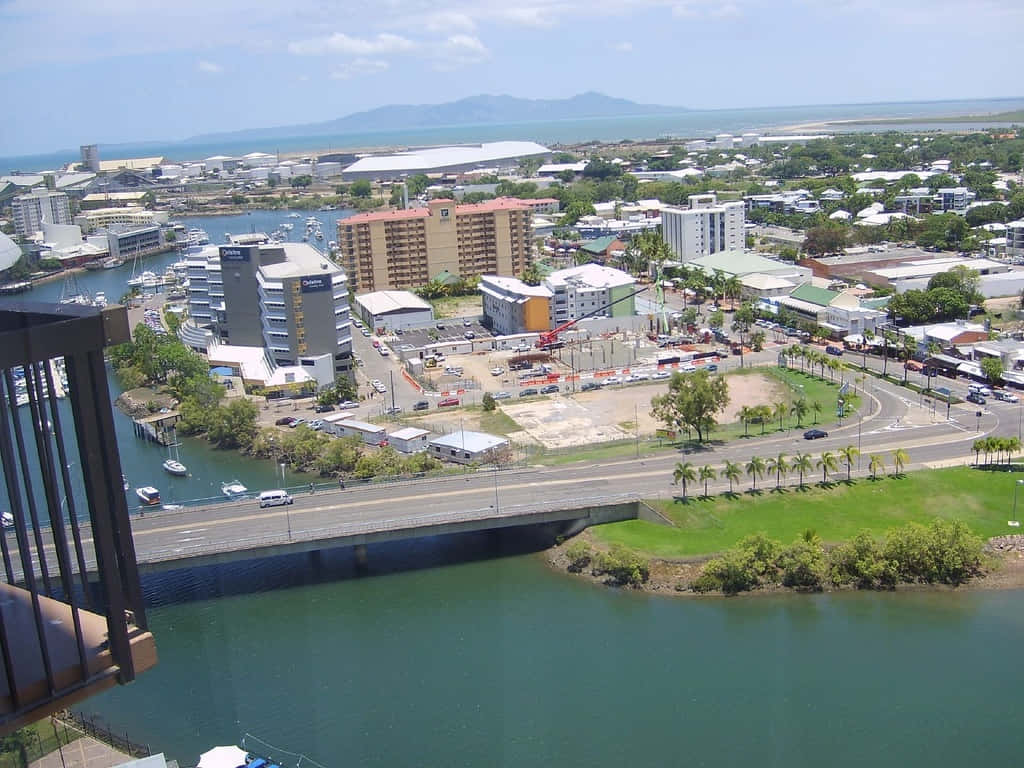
(465, 447)
(442, 159)
(393, 309)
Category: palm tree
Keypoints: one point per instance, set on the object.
(899, 460)
(779, 411)
(816, 407)
(707, 472)
(780, 466)
(683, 474)
(746, 416)
(732, 471)
(876, 465)
(977, 446)
(802, 463)
(868, 336)
(827, 463)
(733, 289)
(799, 410)
(764, 414)
(1012, 447)
(755, 468)
(849, 454)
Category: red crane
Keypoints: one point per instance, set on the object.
(549, 339)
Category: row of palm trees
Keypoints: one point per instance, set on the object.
(997, 446)
(811, 357)
(765, 414)
(685, 473)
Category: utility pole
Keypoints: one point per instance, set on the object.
(392, 375)
(636, 429)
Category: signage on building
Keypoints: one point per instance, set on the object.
(316, 283)
(235, 253)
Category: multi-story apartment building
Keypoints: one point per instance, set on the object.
(705, 228)
(510, 306)
(287, 298)
(953, 199)
(31, 210)
(395, 250)
(1015, 239)
(132, 215)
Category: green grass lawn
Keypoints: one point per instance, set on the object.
(983, 500)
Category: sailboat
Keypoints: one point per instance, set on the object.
(71, 293)
(172, 464)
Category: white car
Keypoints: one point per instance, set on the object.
(348, 404)
(1006, 397)
(631, 378)
(497, 371)
(503, 395)
(612, 380)
(661, 375)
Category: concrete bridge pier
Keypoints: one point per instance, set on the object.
(362, 561)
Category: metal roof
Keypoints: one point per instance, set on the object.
(444, 157)
(474, 442)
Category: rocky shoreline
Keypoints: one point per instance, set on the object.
(669, 578)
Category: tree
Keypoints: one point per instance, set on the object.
(575, 211)
(779, 411)
(488, 402)
(302, 181)
(827, 463)
(802, 464)
(602, 169)
(780, 466)
(992, 367)
(360, 188)
(899, 460)
(692, 401)
(732, 472)
(755, 469)
(963, 280)
(716, 319)
(803, 562)
(799, 410)
(683, 474)
(747, 415)
(825, 239)
(234, 425)
(876, 465)
(849, 455)
(817, 408)
(707, 472)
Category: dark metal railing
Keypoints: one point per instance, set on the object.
(63, 492)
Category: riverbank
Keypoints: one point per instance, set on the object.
(673, 578)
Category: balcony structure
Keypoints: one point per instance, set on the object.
(64, 635)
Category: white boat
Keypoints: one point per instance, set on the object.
(124, 482)
(148, 495)
(233, 489)
(100, 300)
(7, 520)
(197, 237)
(113, 262)
(175, 467)
(294, 216)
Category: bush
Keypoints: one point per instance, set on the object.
(488, 402)
(803, 563)
(579, 555)
(622, 567)
(731, 573)
(861, 562)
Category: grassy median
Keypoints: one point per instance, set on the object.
(982, 500)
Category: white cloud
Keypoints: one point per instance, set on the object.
(209, 67)
(359, 68)
(459, 51)
(339, 42)
(447, 21)
(624, 47)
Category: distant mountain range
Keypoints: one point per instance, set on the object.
(473, 110)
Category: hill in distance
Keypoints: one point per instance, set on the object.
(473, 110)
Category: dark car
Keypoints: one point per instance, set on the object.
(285, 421)
(323, 408)
(527, 392)
(814, 434)
(711, 367)
(550, 389)
(590, 386)
(421, 405)
(974, 397)
(834, 350)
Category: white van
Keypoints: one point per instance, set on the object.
(979, 389)
(274, 498)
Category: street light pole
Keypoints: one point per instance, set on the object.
(1015, 523)
(287, 513)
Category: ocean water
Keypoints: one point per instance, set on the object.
(689, 124)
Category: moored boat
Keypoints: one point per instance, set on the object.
(148, 495)
(233, 489)
(175, 467)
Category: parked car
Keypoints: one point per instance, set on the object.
(383, 351)
(316, 424)
(421, 405)
(295, 422)
(497, 370)
(502, 395)
(976, 398)
(711, 367)
(528, 392)
(590, 386)
(979, 389)
(662, 375)
(323, 408)
(832, 349)
(285, 421)
(348, 404)
(467, 323)
(448, 402)
(376, 344)
(814, 434)
(612, 380)
(469, 335)
(393, 410)
(549, 389)
(1006, 397)
(364, 332)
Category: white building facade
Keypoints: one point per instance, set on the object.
(703, 230)
(31, 210)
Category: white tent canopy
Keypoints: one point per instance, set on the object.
(223, 757)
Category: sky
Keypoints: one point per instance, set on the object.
(108, 71)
